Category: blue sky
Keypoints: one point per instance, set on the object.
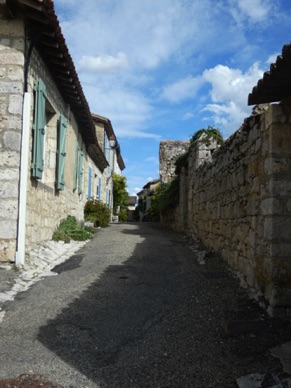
(163, 69)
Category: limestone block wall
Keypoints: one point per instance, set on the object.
(11, 92)
(46, 206)
(238, 203)
(169, 151)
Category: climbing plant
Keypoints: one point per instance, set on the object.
(181, 161)
(169, 195)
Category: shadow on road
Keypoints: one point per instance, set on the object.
(156, 321)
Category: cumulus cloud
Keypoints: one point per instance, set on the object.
(229, 91)
(182, 89)
(103, 63)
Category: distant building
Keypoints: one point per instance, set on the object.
(131, 205)
(144, 197)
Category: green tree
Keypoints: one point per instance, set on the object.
(120, 196)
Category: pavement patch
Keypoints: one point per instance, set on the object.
(73, 263)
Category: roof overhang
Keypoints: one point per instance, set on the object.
(276, 83)
(111, 136)
(44, 32)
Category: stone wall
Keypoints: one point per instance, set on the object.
(11, 92)
(238, 202)
(169, 151)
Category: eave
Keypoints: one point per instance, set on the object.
(276, 83)
(111, 136)
(44, 31)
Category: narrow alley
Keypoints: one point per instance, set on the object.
(137, 308)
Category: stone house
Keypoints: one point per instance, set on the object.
(50, 158)
(131, 205)
(111, 149)
(144, 197)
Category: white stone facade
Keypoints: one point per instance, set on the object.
(45, 204)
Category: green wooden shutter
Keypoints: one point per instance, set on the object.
(99, 192)
(61, 153)
(80, 172)
(38, 129)
(89, 182)
(76, 169)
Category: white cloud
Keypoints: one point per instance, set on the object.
(103, 63)
(256, 10)
(182, 89)
(272, 59)
(127, 109)
(229, 92)
(232, 84)
(253, 11)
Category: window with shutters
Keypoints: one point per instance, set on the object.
(39, 124)
(89, 182)
(61, 153)
(99, 189)
(44, 136)
(78, 171)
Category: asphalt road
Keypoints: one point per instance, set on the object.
(134, 308)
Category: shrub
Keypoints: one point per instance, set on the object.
(97, 212)
(69, 229)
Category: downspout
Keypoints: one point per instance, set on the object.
(24, 163)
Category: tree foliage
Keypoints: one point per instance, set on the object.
(120, 196)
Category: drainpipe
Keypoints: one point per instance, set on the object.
(23, 180)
